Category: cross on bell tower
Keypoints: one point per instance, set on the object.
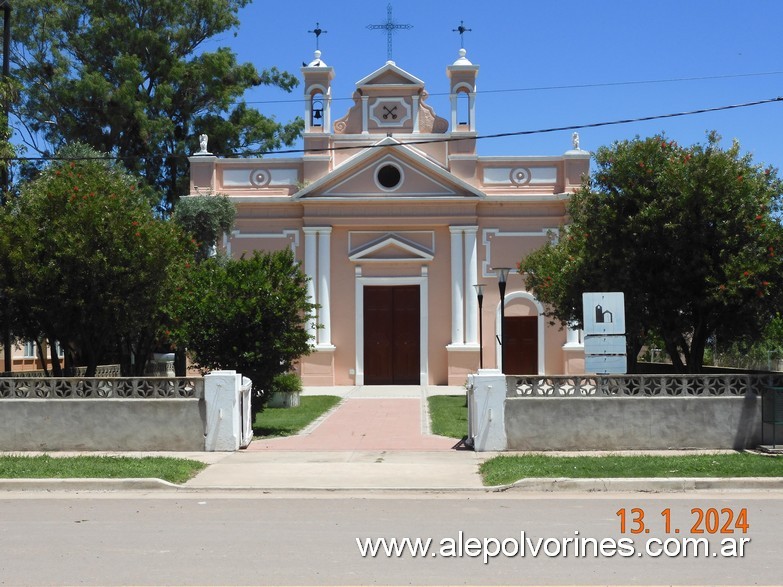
(390, 27)
(317, 32)
(461, 29)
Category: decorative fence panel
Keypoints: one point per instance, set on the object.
(640, 385)
(101, 387)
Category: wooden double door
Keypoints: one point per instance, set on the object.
(392, 330)
(521, 354)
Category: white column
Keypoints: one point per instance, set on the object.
(453, 99)
(365, 114)
(324, 313)
(328, 111)
(415, 114)
(308, 111)
(457, 287)
(471, 278)
(311, 270)
(472, 106)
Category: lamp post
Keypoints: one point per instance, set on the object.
(502, 273)
(480, 294)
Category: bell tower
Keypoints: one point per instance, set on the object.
(462, 90)
(317, 116)
(462, 83)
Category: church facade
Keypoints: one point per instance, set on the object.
(395, 218)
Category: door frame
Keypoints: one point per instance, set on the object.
(527, 296)
(359, 319)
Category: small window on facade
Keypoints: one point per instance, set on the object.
(30, 351)
(389, 176)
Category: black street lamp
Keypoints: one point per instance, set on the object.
(480, 294)
(502, 273)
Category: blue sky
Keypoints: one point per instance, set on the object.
(574, 48)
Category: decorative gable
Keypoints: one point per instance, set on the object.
(390, 75)
(390, 176)
(395, 172)
(391, 248)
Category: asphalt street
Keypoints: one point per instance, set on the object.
(263, 538)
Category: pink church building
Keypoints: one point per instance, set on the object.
(395, 217)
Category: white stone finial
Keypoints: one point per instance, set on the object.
(202, 143)
(575, 140)
(317, 61)
(462, 59)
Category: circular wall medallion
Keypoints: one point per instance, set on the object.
(520, 176)
(260, 177)
(389, 176)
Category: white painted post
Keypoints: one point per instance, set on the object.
(487, 410)
(224, 422)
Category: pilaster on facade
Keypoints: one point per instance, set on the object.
(365, 114)
(318, 271)
(324, 286)
(311, 271)
(457, 287)
(464, 274)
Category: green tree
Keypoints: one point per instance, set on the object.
(90, 264)
(131, 78)
(206, 219)
(244, 314)
(691, 235)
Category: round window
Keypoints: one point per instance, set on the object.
(389, 176)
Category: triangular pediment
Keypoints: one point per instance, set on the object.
(361, 176)
(391, 248)
(390, 75)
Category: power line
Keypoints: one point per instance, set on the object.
(423, 141)
(551, 129)
(562, 87)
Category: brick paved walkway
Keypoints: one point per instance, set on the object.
(365, 424)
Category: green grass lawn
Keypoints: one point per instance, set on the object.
(503, 470)
(48, 467)
(288, 421)
(448, 415)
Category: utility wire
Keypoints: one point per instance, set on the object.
(422, 141)
(562, 87)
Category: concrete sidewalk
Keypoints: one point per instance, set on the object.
(378, 437)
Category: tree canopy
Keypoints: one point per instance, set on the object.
(245, 314)
(88, 263)
(131, 78)
(691, 235)
(206, 219)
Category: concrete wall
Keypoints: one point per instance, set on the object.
(634, 423)
(103, 424)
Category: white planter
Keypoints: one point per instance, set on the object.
(282, 399)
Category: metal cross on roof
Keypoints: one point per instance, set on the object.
(317, 32)
(461, 30)
(389, 26)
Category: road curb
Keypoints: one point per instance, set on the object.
(643, 484)
(85, 484)
(540, 484)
